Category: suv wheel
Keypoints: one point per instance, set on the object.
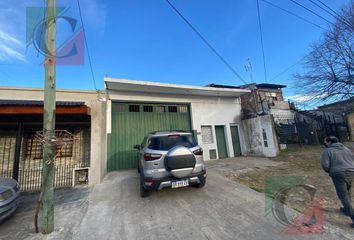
(201, 184)
(143, 192)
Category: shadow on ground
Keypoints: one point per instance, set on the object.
(70, 206)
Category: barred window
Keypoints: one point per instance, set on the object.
(134, 108)
(148, 109)
(172, 108)
(207, 134)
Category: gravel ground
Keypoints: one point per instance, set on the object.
(301, 161)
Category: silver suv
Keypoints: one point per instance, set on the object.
(170, 159)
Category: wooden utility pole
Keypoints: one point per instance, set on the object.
(49, 147)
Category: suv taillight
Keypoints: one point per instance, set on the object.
(173, 136)
(199, 151)
(151, 157)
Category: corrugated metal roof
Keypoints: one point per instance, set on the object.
(119, 85)
(6, 102)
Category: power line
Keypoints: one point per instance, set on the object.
(332, 13)
(327, 7)
(206, 42)
(285, 70)
(318, 5)
(293, 14)
(86, 45)
(311, 11)
(261, 37)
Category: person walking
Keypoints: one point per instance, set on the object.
(338, 161)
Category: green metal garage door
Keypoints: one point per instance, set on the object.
(131, 122)
(235, 140)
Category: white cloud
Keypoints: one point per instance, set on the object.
(12, 25)
(10, 48)
(9, 53)
(301, 98)
(7, 38)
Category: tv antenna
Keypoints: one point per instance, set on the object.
(248, 68)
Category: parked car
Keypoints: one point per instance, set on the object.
(9, 195)
(170, 159)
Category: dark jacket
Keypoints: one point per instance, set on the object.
(337, 158)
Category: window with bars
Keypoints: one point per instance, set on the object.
(207, 134)
(134, 108)
(148, 108)
(172, 108)
(151, 108)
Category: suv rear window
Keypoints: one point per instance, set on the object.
(165, 143)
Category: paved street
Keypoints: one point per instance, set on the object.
(223, 209)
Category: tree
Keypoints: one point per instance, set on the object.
(329, 66)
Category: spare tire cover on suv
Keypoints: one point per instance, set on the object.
(180, 161)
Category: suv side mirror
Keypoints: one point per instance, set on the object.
(137, 146)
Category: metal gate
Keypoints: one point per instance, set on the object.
(131, 122)
(287, 133)
(29, 168)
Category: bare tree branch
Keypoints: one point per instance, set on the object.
(329, 66)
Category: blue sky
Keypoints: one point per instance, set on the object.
(146, 40)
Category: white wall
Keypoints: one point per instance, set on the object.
(283, 116)
(208, 111)
(213, 113)
(253, 134)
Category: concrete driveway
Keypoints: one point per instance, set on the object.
(221, 210)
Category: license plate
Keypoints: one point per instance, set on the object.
(181, 183)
